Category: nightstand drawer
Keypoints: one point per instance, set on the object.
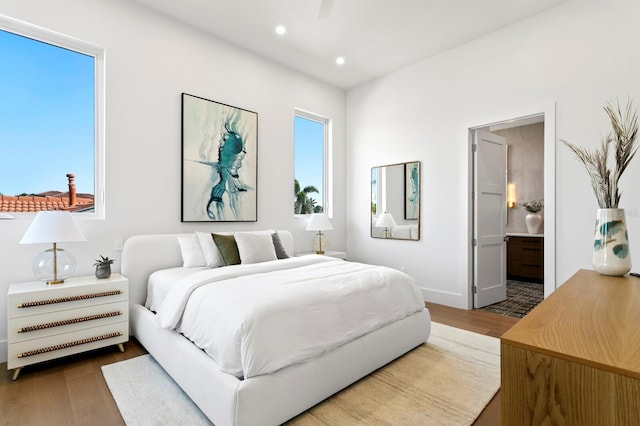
(52, 347)
(43, 325)
(46, 322)
(34, 300)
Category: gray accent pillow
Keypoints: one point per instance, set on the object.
(281, 253)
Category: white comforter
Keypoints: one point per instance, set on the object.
(256, 319)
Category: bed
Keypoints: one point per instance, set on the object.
(251, 395)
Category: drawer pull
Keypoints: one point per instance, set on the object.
(69, 344)
(69, 299)
(68, 322)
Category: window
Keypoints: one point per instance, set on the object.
(312, 170)
(51, 121)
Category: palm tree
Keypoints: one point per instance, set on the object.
(303, 203)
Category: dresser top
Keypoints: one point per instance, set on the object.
(591, 319)
(69, 283)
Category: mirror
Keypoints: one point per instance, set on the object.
(395, 201)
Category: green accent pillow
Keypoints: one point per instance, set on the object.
(228, 248)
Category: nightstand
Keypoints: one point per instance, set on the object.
(336, 254)
(51, 321)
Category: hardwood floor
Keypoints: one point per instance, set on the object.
(72, 391)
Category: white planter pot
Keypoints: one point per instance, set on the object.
(611, 243)
(533, 221)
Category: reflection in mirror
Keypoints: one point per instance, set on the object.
(395, 201)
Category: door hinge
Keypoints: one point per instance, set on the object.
(474, 289)
(474, 147)
(474, 242)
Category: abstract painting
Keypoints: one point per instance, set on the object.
(219, 162)
(412, 190)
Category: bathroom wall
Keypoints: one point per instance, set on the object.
(525, 169)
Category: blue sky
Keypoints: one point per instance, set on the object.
(309, 135)
(46, 117)
(47, 121)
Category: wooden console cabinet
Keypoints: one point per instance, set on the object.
(525, 258)
(575, 359)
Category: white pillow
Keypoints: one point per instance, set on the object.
(192, 256)
(210, 251)
(255, 247)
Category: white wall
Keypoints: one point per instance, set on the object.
(150, 61)
(578, 55)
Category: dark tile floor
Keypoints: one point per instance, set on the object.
(521, 298)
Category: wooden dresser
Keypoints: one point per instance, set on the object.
(575, 359)
(525, 258)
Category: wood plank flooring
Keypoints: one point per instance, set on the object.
(72, 391)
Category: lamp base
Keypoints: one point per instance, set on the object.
(320, 243)
(53, 266)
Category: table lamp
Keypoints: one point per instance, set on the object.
(319, 222)
(385, 221)
(55, 264)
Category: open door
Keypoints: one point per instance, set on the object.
(489, 219)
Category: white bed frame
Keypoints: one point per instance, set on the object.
(262, 400)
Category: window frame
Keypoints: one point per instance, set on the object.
(327, 159)
(53, 38)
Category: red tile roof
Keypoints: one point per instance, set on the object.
(36, 203)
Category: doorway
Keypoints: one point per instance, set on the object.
(545, 115)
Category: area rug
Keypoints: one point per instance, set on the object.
(447, 381)
(146, 395)
(522, 297)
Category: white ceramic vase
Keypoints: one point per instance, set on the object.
(533, 221)
(611, 243)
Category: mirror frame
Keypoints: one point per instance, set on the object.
(404, 220)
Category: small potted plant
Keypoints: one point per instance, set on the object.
(533, 206)
(103, 267)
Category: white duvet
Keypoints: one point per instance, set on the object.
(256, 319)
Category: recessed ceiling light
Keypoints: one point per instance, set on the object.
(280, 29)
(340, 60)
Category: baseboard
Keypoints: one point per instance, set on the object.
(454, 300)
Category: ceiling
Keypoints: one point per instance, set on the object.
(375, 37)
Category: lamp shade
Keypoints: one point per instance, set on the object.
(385, 221)
(53, 227)
(319, 222)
